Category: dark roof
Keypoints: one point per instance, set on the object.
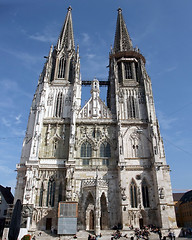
(6, 192)
(177, 196)
(187, 197)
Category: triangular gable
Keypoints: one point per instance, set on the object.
(87, 110)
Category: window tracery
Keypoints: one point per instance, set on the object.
(61, 70)
(86, 152)
(51, 193)
(132, 107)
(128, 70)
(58, 108)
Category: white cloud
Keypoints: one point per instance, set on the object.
(43, 37)
(26, 58)
(165, 121)
(86, 38)
(48, 34)
(5, 122)
(7, 86)
(90, 56)
(166, 70)
(5, 170)
(18, 119)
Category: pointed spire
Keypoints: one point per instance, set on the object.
(66, 38)
(122, 40)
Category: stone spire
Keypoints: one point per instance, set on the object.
(122, 40)
(66, 38)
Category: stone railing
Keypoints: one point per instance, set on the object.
(94, 182)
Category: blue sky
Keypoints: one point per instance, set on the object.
(161, 29)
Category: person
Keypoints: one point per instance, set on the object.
(160, 234)
(170, 235)
(173, 235)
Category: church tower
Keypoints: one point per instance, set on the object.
(144, 178)
(108, 158)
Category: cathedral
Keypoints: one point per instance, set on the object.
(107, 158)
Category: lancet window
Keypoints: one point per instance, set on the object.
(132, 107)
(145, 194)
(51, 193)
(105, 152)
(58, 107)
(41, 196)
(60, 195)
(128, 70)
(133, 193)
(86, 152)
(61, 70)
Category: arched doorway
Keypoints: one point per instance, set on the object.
(89, 212)
(91, 220)
(104, 213)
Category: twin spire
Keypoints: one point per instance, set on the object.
(122, 40)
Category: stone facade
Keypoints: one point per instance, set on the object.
(108, 158)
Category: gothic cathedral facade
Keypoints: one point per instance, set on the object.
(109, 158)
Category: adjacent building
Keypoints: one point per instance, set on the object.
(183, 209)
(109, 158)
(6, 199)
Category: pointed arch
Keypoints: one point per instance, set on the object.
(105, 149)
(61, 69)
(51, 193)
(86, 152)
(104, 212)
(133, 194)
(59, 104)
(145, 194)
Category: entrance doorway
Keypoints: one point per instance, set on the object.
(48, 223)
(104, 213)
(91, 220)
(141, 222)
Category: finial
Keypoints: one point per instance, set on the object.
(119, 10)
(69, 8)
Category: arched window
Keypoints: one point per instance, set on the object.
(51, 193)
(41, 196)
(61, 70)
(86, 152)
(145, 194)
(133, 193)
(105, 152)
(128, 70)
(60, 192)
(58, 108)
(132, 108)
